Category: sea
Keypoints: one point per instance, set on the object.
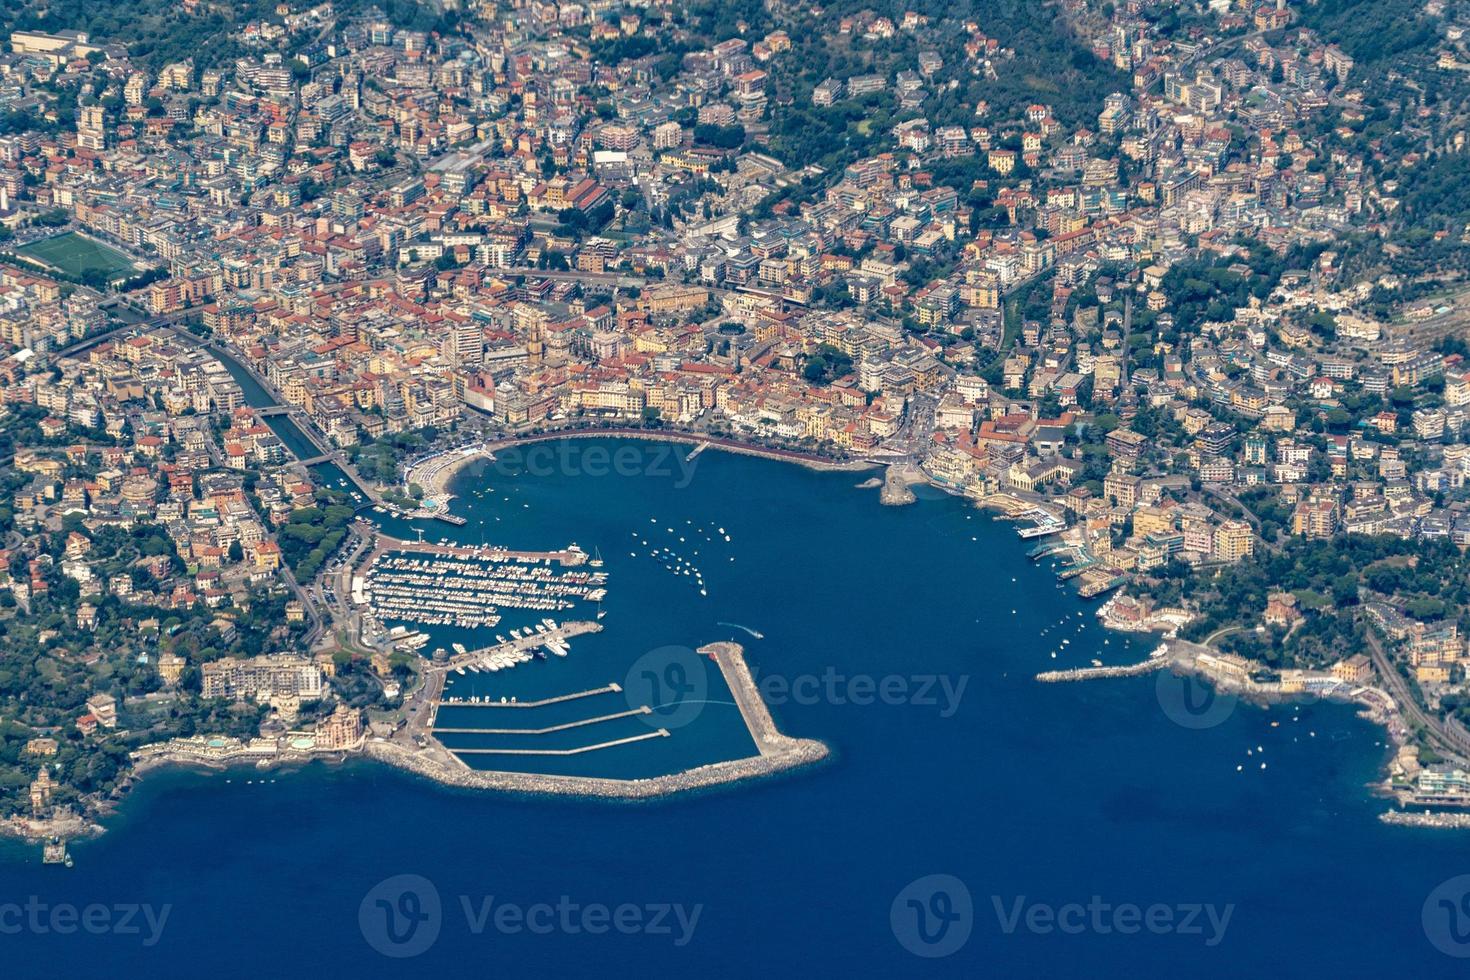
(969, 821)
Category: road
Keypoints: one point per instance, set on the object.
(1221, 493)
(1453, 741)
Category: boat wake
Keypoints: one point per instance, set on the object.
(755, 633)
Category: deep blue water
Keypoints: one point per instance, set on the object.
(1042, 794)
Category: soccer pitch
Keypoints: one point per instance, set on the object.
(74, 255)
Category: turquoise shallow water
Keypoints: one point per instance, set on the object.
(1042, 794)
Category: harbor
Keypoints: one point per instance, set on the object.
(469, 588)
(419, 750)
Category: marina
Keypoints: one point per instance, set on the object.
(472, 588)
(520, 650)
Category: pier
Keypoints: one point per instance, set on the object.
(1097, 673)
(1072, 571)
(1096, 581)
(569, 557)
(580, 723)
(660, 733)
(696, 451)
(575, 695)
(531, 642)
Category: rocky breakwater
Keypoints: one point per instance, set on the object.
(777, 753)
(896, 483)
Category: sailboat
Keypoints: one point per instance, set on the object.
(596, 561)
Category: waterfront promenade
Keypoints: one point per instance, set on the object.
(434, 474)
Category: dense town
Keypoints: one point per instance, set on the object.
(1188, 308)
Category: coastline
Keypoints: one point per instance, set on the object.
(1375, 704)
(776, 753)
(436, 484)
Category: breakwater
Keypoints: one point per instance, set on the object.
(777, 752)
(1096, 673)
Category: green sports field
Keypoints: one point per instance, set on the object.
(74, 255)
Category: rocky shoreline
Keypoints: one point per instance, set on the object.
(897, 484)
(65, 826)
